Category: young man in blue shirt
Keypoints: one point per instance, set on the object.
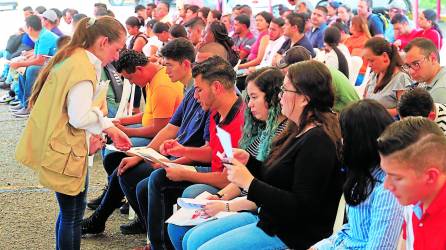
(45, 45)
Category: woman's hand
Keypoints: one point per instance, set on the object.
(213, 208)
(96, 143)
(239, 174)
(128, 162)
(120, 139)
(241, 155)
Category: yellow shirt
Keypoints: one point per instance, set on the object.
(162, 97)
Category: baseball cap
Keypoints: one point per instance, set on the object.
(294, 55)
(50, 15)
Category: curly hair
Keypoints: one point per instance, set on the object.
(129, 59)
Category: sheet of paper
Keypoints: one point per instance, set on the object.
(225, 140)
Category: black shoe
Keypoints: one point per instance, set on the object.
(124, 209)
(93, 204)
(134, 227)
(93, 224)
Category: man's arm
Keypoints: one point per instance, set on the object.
(129, 120)
(168, 132)
(35, 60)
(147, 131)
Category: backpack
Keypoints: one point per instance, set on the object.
(384, 20)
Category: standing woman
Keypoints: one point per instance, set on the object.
(430, 28)
(65, 117)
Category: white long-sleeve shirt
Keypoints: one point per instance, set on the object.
(81, 113)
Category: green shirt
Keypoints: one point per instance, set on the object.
(111, 103)
(344, 91)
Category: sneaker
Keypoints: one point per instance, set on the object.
(124, 209)
(6, 99)
(22, 113)
(92, 224)
(15, 108)
(134, 227)
(94, 203)
(14, 103)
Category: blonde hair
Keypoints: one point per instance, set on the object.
(87, 31)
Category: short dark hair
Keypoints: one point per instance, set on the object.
(165, 3)
(62, 41)
(266, 15)
(415, 102)
(243, 19)
(179, 49)
(139, 7)
(28, 8)
(341, 26)
(129, 59)
(399, 18)
(40, 9)
(160, 27)
(405, 133)
(279, 21)
(151, 5)
(296, 20)
(177, 31)
(151, 23)
(196, 21)
(58, 12)
(101, 5)
(216, 68)
(101, 11)
(193, 8)
(78, 17)
(322, 8)
(34, 22)
(426, 45)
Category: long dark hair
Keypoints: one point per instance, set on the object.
(312, 79)
(332, 37)
(430, 15)
(220, 33)
(361, 124)
(379, 46)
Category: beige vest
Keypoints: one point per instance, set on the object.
(49, 144)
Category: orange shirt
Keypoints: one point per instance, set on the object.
(163, 97)
(355, 45)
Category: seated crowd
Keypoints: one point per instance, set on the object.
(285, 88)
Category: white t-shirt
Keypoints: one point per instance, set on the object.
(331, 59)
(270, 51)
(152, 41)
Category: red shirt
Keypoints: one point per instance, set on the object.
(406, 38)
(432, 35)
(430, 230)
(233, 124)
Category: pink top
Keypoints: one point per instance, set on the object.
(432, 35)
(255, 47)
(406, 38)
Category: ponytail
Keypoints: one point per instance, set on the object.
(342, 61)
(85, 35)
(430, 15)
(378, 46)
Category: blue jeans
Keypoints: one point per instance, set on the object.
(176, 233)
(68, 224)
(26, 83)
(238, 231)
(162, 195)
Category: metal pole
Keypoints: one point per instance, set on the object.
(270, 6)
(438, 10)
(415, 13)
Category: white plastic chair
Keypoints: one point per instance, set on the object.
(356, 64)
(339, 215)
(361, 88)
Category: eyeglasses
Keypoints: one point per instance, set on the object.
(415, 65)
(283, 90)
